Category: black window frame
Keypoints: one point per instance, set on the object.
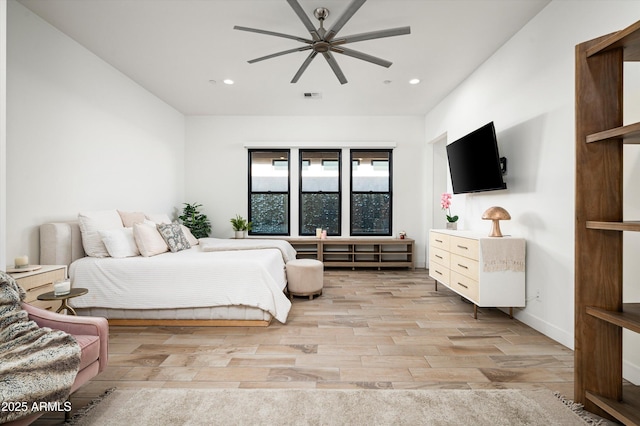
(301, 192)
(288, 192)
(352, 154)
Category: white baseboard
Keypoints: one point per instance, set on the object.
(631, 372)
(549, 330)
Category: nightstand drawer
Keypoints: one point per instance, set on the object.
(464, 286)
(40, 281)
(465, 266)
(464, 247)
(47, 305)
(439, 240)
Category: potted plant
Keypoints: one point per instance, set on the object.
(445, 203)
(240, 226)
(196, 221)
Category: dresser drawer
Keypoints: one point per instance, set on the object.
(439, 240)
(439, 273)
(464, 286)
(439, 256)
(464, 247)
(464, 266)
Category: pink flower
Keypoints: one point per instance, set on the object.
(445, 203)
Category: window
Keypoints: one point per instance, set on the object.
(320, 185)
(371, 192)
(269, 192)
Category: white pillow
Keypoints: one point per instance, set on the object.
(158, 218)
(92, 222)
(120, 242)
(193, 241)
(148, 239)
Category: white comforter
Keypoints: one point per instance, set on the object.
(186, 279)
(219, 244)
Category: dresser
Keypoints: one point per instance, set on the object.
(40, 281)
(487, 271)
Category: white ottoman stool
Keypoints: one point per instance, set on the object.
(304, 277)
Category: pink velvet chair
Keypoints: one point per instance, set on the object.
(91, 333)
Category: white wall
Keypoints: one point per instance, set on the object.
(3, 134)
(80, 136)
(527, 89)
(217, 161)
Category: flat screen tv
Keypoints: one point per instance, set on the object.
(474, 162)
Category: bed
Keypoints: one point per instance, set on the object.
(218, 282)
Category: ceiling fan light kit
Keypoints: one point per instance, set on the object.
(325, 42)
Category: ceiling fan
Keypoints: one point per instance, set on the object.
(326, 42)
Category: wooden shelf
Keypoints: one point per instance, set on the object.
(629, 134)
(600, 314)
(625, 411)
(628, 39)
(614, 226)
(629, 318)
(357, 252)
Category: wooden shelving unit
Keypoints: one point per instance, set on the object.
(600, 314)
(357, 252)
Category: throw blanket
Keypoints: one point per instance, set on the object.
(219, 244)
(37, 365)
(503, 254)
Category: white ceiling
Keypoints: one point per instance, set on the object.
(174, 48)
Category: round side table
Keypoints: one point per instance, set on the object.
(75, 292)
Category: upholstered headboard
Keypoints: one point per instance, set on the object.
(60, 243)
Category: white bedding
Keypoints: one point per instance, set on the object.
(219, 244)
(187, 279)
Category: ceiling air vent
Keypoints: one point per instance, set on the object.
(313, 95)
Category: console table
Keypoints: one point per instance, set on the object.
(488, 271)
(353, 252)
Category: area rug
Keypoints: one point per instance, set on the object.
(331, 407)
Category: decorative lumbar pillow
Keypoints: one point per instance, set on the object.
(193, 241)
(92, 222)
(129, 218)
(120, 242)
(173, 236)
(158, 218)
(148, 239)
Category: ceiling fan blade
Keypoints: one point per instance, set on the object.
(273, 33)
(304, 18)
(335, 67)
(284, 52)
(304, 66)
(391, 32)
(342, 20)
(363, 56)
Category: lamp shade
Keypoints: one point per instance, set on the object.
(496, 214)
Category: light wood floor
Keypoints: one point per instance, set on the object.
(369, 329)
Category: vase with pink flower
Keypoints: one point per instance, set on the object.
(445, 203)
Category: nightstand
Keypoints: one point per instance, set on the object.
(40, 281)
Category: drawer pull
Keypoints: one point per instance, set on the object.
(463, 247)
(439, 257)
(462, 285)
(462, 266)
(438, 272)
(438, 241)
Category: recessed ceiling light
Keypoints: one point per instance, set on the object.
(227, 81)
(414, 81)
(212, 81)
